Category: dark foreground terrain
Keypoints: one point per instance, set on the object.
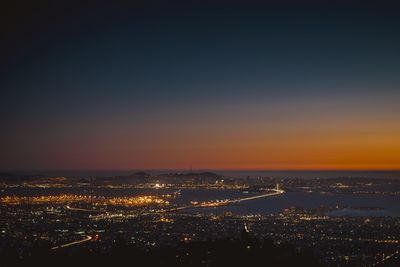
(246, 251)
(224, 252)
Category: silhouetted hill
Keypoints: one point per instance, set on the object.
(202, 177)
(6, 175)
(140, 174)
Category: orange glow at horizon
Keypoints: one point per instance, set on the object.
(297, 136)
(280, 150)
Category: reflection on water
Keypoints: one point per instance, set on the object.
(276, 204)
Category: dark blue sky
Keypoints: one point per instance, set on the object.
(127, 71)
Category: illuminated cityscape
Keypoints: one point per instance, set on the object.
(152, 211)
(197, 133)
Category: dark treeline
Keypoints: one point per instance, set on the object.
(224, 252)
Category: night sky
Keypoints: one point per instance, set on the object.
(99, 85)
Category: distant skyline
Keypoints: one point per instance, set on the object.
(90, 86)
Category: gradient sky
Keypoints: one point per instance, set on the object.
(151, 85)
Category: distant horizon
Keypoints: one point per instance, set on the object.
(307, 174)
(197, 170)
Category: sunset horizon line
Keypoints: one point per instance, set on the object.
(194, 170)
